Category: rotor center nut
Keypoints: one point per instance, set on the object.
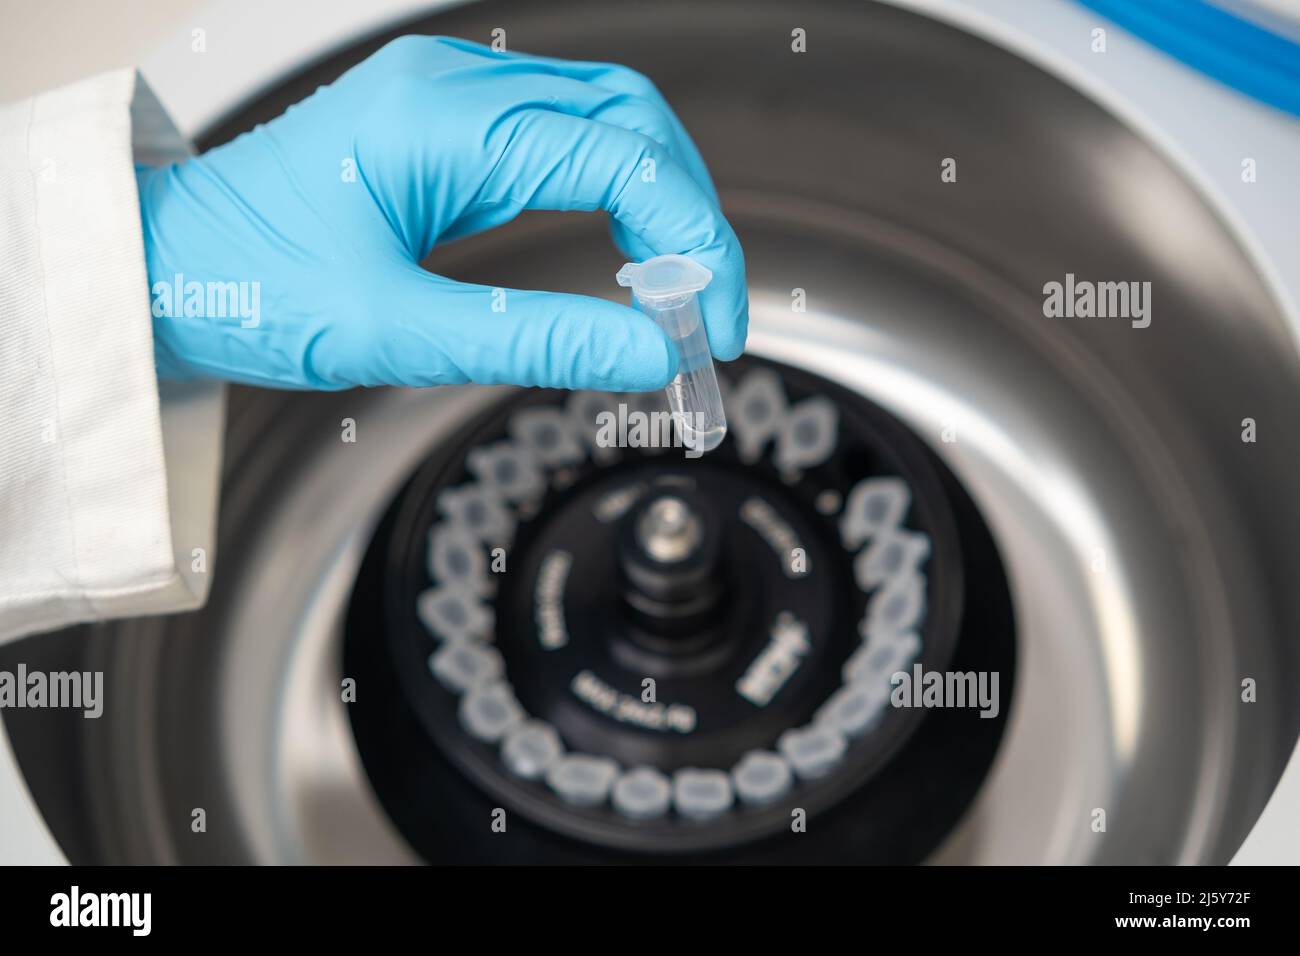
(669, 556)
(668, 530)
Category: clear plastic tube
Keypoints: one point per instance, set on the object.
(666, 289)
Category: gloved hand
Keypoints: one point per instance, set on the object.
(446, 138)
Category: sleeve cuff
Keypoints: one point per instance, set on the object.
(108, 490)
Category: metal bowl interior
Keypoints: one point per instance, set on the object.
(1148, 547)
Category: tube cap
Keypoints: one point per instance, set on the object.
(664, 277)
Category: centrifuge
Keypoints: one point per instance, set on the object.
(479, 633)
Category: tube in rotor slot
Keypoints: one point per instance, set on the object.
(666, 289)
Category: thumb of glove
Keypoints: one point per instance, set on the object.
(434, 331)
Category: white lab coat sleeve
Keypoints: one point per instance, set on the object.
(108, 482)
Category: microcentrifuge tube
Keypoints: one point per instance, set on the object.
(665, 288)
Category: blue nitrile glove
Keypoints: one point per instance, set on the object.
(445, 138)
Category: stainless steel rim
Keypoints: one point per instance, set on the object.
(1146, 543)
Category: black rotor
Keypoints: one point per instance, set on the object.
(748, 551)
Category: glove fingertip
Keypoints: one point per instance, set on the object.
(593, 343)
(652, 362)
(731, 344)
(727, 337)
